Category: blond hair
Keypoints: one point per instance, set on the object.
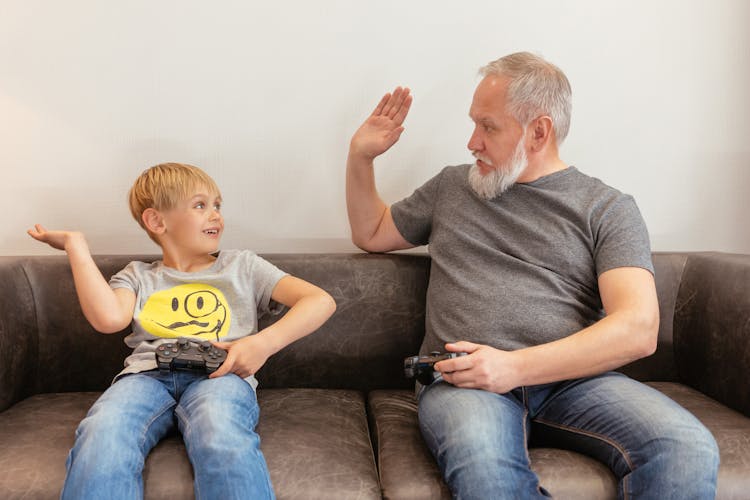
(163, 186)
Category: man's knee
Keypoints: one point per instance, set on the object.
(692, 450)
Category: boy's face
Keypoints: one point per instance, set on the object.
(195, 224)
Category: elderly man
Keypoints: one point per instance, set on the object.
(543, 275)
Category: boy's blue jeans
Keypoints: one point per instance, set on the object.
(655, 448)
(216, 417)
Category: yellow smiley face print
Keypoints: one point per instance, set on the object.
(191, 310)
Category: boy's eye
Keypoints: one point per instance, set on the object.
(200, 204)
(217, 207)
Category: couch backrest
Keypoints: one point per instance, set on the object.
(45, 340)
(712, 327)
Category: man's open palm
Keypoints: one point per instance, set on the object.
(383, 127)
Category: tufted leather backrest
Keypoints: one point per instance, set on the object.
(712, 327)
(46, 345)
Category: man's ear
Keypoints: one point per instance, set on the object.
(154, 221)
(542, 132)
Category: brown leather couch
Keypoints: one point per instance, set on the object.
(338, 419)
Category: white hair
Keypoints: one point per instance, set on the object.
(536, 88)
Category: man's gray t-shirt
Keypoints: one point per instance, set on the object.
(220, 303)
(521, 269)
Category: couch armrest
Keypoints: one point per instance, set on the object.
(18, 333)
(712, 327)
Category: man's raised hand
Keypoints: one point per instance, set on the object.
(383, 127)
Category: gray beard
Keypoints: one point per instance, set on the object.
(500, 179)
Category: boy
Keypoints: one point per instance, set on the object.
(192, 292)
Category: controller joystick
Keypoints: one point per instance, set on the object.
(423, 367)
(187, 354)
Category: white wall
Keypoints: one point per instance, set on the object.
(265, 96)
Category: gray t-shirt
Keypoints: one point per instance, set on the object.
(222, 302)
(521, 269)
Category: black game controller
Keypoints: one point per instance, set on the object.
(422, 367)
(187, 354)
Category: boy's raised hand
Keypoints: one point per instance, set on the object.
(383, 127)
(55, 239)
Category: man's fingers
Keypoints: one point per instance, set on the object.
(379, 108)
(395, 102)
(403, 110)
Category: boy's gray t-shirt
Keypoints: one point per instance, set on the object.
(521, 269)
(220, 303)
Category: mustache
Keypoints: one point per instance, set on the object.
(179, 324)
(480, 156)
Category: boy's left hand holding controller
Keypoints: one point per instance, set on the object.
(309, 306)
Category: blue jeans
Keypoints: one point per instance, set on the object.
(655, 448)
(216, 417)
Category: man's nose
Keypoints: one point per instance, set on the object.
(475, 142)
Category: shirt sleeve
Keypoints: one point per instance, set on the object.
(125, 278)
(413, 215)
(265, 276)
(622, 237)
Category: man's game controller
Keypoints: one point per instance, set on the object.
(422, 367)
(187, 354)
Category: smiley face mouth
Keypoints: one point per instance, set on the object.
(180, 324)
(192, 327)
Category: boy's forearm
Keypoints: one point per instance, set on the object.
(303, 318)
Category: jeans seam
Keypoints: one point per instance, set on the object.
(594, 435)
(526, 435)
(153, 419)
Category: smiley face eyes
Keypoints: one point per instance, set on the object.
(201, 303)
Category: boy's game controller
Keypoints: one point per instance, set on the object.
(187, 354)
(422, 367)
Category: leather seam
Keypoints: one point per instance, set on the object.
(34, 347)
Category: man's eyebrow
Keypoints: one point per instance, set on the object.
(485, 120)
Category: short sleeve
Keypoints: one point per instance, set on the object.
(622, 237)
(125, 278)
(265, 276)
(413, 215)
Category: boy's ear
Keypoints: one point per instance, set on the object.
(153, 220)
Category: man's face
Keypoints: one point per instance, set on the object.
(498, 141)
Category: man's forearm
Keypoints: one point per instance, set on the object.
(612, 342)
(363, 203)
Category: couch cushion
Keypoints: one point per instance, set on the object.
(731, 430)
(408, 471)
(316, 444)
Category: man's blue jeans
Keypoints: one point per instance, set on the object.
(216, 417)
(655, 448)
